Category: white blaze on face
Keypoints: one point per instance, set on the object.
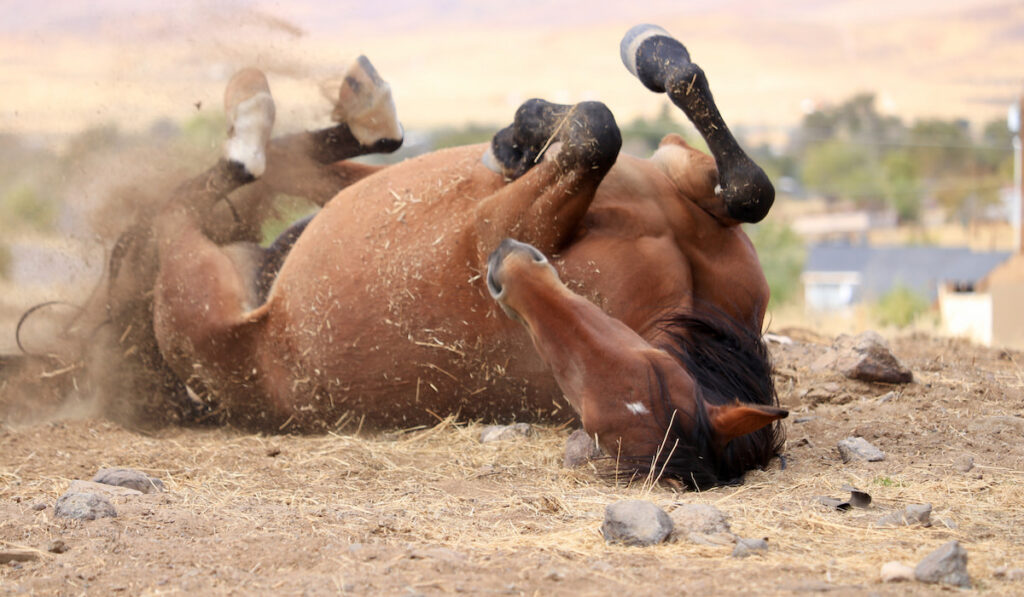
(637, 408)
(252, 121)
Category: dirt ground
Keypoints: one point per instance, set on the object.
(434, 511)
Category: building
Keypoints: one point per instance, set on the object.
(839, 276)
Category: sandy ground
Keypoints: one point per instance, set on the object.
(433, 511)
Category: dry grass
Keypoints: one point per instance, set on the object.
(432, 510)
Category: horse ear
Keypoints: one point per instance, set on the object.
(730, 421)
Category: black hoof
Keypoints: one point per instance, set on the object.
(587, 132)
(649, 52)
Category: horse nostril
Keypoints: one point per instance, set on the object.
(493, 286)
(538, 257)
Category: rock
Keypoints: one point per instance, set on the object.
(555, 575)
(79, 486)
(84, 506)
(746, 547)
(946, 565)
(896, 572)
(710, 539)
(39, 506)
(915, 514)
(865, 357)
(496, 433)
(918, 514)
(130, 478)
(699, 518)
(57, 546)
(858, 448)
(833, 503)
(635, 522)
(964, 464)
(580, 448)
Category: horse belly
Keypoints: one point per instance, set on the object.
(381, 311)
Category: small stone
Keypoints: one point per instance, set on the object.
(747, 547)
(130, 478)
(84, 506)
(964, 464)
(858, 448)
(496, 433)
(915, 514)
(57, 546)
(700, 521)
(867, 357)
(580, 448)
(555, 575)
(919, 514)
(711, 539)
(635, 522)
(39, 506)
(896, 572)
(79, 486)
(946, 565)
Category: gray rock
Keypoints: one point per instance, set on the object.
(946, 565)
(130, 478)
(964, 464)
(865, 357)
(84, 506)
(635, 522)
(580, 448)
(497, 433)
(858, 448)
(79, 486)
(699, 518)
(896, 572)
(915, 514)
(747, 547)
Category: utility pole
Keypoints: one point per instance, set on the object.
(1018, 169)
(1015, 122)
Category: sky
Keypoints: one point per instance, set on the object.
(69, 64)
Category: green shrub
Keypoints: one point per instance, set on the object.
(782, 253)
(900, 307)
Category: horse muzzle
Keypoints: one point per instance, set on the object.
(500, 275)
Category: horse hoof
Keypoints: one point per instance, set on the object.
(250, 112)
(366, 106)
(646, 50)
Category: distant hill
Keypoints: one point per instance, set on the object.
(71, 64)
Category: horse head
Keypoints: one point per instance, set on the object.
(696, 402)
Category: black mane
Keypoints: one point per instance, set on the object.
(728, 361)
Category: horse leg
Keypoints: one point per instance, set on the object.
(312, 164)
(744, 193)
(202, 299)
(557, 156)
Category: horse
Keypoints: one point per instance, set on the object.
(487, 281)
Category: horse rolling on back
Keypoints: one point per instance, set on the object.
(489, 280)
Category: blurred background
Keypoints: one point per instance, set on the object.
(886, 126)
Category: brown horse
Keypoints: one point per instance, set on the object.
(383, 310)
